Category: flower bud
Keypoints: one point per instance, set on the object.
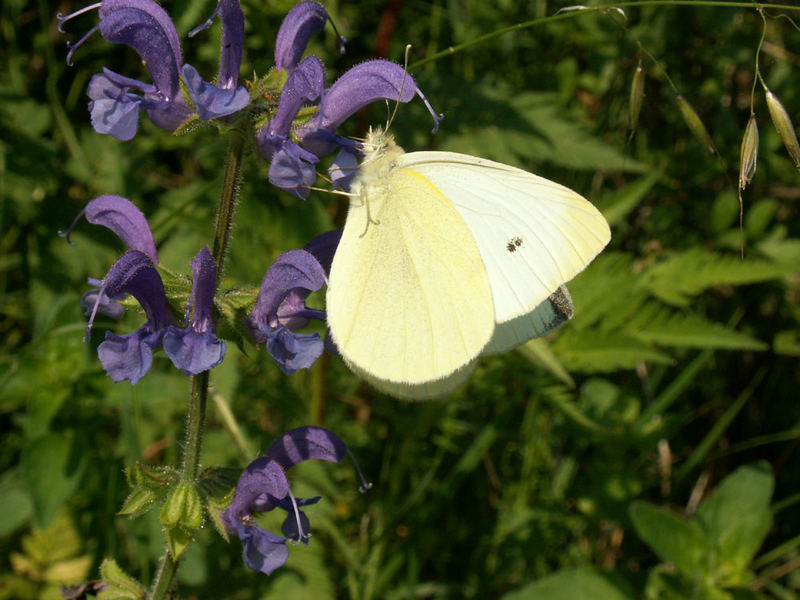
(749, 154)
(183, 507)
(692, 119)
(636, 97)
(782, 122)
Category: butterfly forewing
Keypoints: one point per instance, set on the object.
(409, 301)
(533, 234)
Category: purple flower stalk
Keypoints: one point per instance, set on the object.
(264, 486)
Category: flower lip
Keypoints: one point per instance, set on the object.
(122, 217)
(300, 23)
(135, 274)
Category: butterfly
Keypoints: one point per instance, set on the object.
(446, 257)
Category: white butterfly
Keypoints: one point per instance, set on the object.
(445, 257)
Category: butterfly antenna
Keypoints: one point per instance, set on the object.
(402, 85)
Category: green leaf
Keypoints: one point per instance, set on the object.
(736, 517)
(658, 325)
(686, 274)
(596, 354)
(539, 352)
(569, 584)
(787, 342)
(674, 539)
(616, 205)
(52, 467)
(16, 505)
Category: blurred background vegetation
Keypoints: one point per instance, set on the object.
(648, 448)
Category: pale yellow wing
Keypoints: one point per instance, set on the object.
(533, 234)
(409, 303)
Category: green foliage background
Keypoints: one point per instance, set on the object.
(569, 467)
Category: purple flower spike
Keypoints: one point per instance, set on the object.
(122, 217)
(363, 84)
(213, 101)
(280, 306)
(197, 348)
(263, 486)
(129, 357)
(303, 21)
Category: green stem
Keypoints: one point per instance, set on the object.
(227, 202)
(195, 419)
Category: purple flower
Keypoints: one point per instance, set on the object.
(144, 26)
(300, 23)
(292, 168)
(213, 101)
(196, 348)
(264, 486)
(129, 357)
(363, 84)
(280, 307)
(123, 218)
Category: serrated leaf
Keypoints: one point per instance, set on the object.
(595, 354)
(661, 326)
(736, 517)
(674, 539)
(684, 275)
(568, 584)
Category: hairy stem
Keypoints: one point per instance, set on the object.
(195, 419)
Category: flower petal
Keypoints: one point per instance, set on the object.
(306, 443)
(230, 59)
(212, 102)
(293, 351)
(122, 217)
(295, 269)
(292, 169)
(303, 21)
(128, 357)
(145, 26)
(193, 352)
(135, 274)
(323, 247)
(118, 118)
(263, 551)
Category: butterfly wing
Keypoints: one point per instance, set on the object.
(550, 314)
(533, 234)
(409, 302)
